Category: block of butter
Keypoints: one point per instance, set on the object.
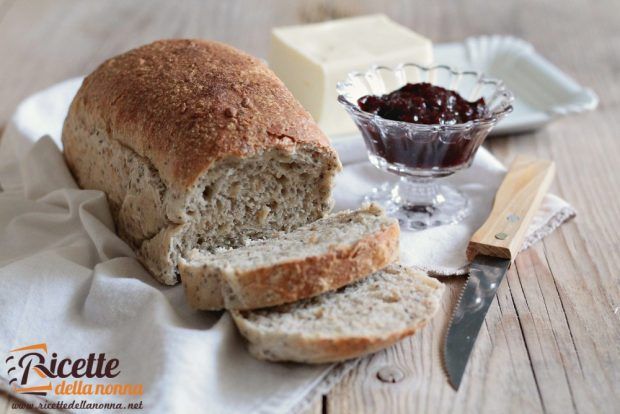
(311, 59)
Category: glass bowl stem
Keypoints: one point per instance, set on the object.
(417, 193)
(421, 202)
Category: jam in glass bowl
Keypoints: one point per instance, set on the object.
(423, 123)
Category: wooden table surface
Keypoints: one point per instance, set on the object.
(551, 340)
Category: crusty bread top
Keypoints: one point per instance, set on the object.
(184, 104)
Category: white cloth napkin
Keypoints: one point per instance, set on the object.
(67, 280)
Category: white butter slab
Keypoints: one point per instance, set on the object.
(310, 59)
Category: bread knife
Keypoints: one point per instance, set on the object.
(491, 250)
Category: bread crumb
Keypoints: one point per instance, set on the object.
(313, 239)
(262, 214)
(391, 297)
(234, 190)
(230, 112)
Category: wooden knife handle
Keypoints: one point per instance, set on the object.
(517, 200)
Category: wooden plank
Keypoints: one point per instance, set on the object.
(5, 5)
(535, 319)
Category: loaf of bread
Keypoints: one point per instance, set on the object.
(197, 145)
(362, 318)
(325, 255)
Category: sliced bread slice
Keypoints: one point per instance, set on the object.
(322, 256)
(359, 319)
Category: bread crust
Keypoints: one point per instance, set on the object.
(303, 347)
(289, 281)
(183, 104)
(320, 350)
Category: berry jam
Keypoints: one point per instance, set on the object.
(423, 103)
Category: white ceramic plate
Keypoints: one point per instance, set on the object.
(542, 91)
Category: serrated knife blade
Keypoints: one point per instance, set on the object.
(491, 250)
(485, 275)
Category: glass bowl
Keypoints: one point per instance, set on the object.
(420, 153)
